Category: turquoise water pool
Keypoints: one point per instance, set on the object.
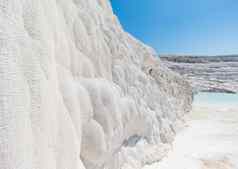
(216, 98)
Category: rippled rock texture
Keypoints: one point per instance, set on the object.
(212, 73)
(77, 92)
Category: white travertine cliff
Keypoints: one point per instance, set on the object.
(77, 92)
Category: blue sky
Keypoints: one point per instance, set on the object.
(199, 27)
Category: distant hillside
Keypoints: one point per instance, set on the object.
(207, 73)
(200, 59)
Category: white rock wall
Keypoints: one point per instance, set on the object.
(77, 92)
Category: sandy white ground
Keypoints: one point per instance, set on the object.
(209, 141)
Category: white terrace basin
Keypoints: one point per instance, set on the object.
(210, 139)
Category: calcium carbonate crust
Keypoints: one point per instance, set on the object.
(77, 92)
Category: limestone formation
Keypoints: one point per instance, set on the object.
(77, 92)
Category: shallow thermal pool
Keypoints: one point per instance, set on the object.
(210, 138)
(205, 98)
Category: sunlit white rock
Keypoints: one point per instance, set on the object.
(74, 88)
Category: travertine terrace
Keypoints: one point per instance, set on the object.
(77, 92)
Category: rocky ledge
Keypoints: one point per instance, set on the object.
(207, 73)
